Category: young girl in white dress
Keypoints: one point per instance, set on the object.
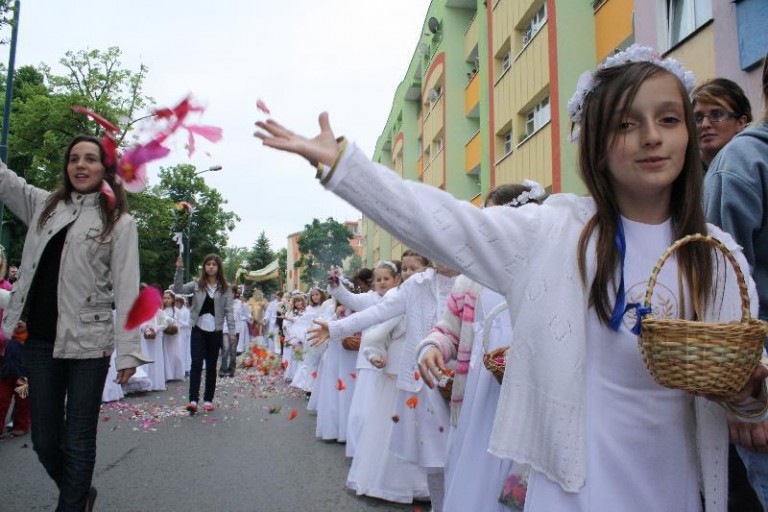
(577, 402)
(294, 330)
(172, 351)
(474, 478)
(185, 331)
(421, 432)
(330, 403)
(152, 346)
(386, 276)
(375, 470)
(310, 360)
(244, 318)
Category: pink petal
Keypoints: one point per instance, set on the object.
(180, 111)
(190, 143)
(109, 194)
(110, 149)
(96, 117)
(212, 133)
(262, 106)
(144, 308)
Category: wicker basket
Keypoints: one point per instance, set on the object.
(700, 357)
(352, 342)
(494, 361)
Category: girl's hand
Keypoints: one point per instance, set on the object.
(378, 362)
(179, 262)
(322, 148)
(124, 375)
(751, 389)
(432, 365)
(319, 334)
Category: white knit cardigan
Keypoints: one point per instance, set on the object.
(529, 255)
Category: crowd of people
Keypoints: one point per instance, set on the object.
(494, 367)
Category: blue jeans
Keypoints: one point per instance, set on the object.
(757, 472)
(64, 401)
(204, 345)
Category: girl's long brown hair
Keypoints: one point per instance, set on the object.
(604, 107)
(64, 191)
(220, 279)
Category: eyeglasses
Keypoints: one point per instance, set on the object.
(715, 116)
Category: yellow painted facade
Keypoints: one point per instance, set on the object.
(613, 26)
(698, 54)
(473, 154)
(517, 90)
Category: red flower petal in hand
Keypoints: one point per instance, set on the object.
(412, 402)
(314, 375)
(109, 194)
(96, 117)
(144, 308)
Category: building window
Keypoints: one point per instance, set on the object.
(438, 145)
(751, 20)
(508, 143)
(537, 21)
(537, 117)
(506, 62)
(684, 17)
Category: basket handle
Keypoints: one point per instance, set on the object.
(698, 237)
(498, 308)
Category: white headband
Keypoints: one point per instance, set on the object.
(635, 53)
(388, 264)
(535, 193)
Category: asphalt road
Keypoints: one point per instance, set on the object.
(245, 456)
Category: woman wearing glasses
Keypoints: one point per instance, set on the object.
(721, 110)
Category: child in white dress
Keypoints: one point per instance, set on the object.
(386, 276)
(172, 350)
(577, 402)
(152, 346)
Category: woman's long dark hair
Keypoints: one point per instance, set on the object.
(220, 279)
(64, 190)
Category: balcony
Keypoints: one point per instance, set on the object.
(472, 151)
(472, 97)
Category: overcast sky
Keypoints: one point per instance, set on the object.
(300, 57)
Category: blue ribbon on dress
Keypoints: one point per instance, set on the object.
(620, 308)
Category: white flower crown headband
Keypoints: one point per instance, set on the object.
(535, 193)
(388, 264)
(635, 53)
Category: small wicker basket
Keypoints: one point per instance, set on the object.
(352, 342)
(701, 357)
(496, 360)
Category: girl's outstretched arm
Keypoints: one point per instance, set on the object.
(323, 149)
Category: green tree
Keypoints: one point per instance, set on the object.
(42, 122)
(282, 261)
(262, 255)
(323, 245)
(353, 265)
(235, 258)
(207, 228)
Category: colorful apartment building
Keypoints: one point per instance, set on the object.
(484, 98)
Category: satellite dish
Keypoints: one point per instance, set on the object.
(423, 49)
(433, 25)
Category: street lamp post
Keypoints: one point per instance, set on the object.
(9, 97)
(213, 168)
